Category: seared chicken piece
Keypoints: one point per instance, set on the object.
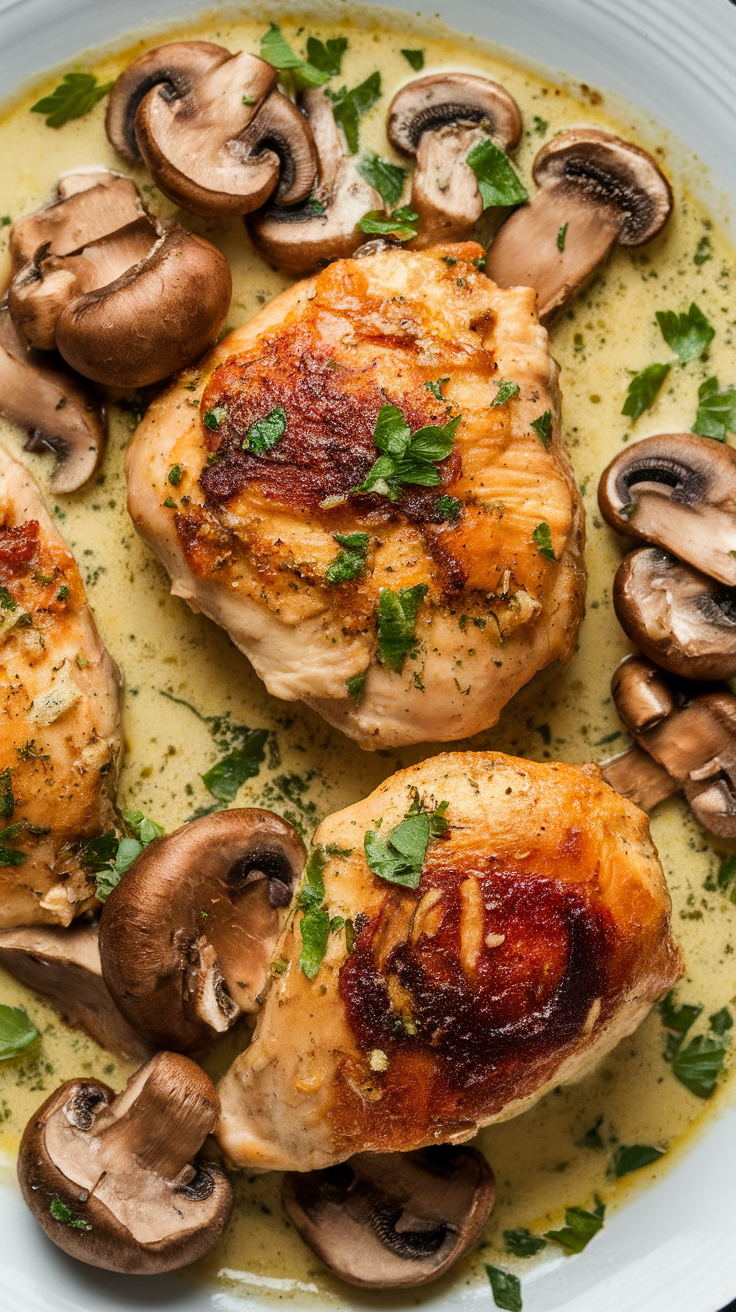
(60, 727)
(537, 938)
(491, 541)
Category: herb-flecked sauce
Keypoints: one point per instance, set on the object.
(559, 1153)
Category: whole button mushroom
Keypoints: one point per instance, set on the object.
(186, 938)
(114, 1181)
(302, 238)
(439, 119)
(594, 190)
(216, 136)
(389, 1220)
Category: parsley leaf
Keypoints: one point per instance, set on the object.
(688, 335)
(448, 507)
(315, 924)
(354, 685)
(540, 125)
(562, 236)
(721, 1021)
(401, 224)
(395, 623)
(75, 95)
(505, 1287)
(399, 857)
(698, 1065)
(716, 415)
(543, 428)
(634, 1158)
(61, 1212)
(266, 432)
(644, 389)
(543, 538)
(213, 418)
(145, 830)
(435, 387)
(17, 1032)
(350, 106)
(408, 457)
(10, 856)
(580, 1227)
(7, 801)
(327, 56)
(174, 474)
(110, 858)
(6, 601)
(677, 1018)
(388, 179)
(224, 778)
(522, 1243)
(497, 181)
(703, 252)
(414, 57)
(276, 50)
(506, 389)
(350, 563)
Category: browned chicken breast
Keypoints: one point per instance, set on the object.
(482, 929)
(365, 486)
(60, 725)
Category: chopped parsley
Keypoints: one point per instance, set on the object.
(435, 387)
(399, 857)
(316, 925)
(75, 96)
(402, 224)
(396, 622)
(111, 857)
(224, 779)
(276, 50)
(170, 503)
(716, 415)
(543, 428)
(448, 507)
(174, 474)
(697, 1065)
(506, 389)
(355, 684)
(634, 1158)
(543, 538)
(17, 1032)
(7, 801)
(415, 58)
(522, 1243)
(6, 601)
(350, 563)
(266, 432)
(579, 1228)
(327, 55)
(688, 335)
(497, 181)
(65, 1215)
(213, 418)
(505, 1287)
(11, 856)
(350, 106)
(63, 593)
(644, 389)
(562, 236)
(408, 457)
(540, 125)
(388, 179)
(703, 251)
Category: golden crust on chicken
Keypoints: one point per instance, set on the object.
(465, 570)
(60, 724)
(536, 936)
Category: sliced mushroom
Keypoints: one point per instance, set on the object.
(186, 938)
(227, 142)
(53, 407)
(113, 1180)
(301, 238)
(642, 695)
(173, 69)
(63, 966)
(594, 190)
(438, 119)
(635, 775)
(677, 491)
(92, 205)
(680, 618)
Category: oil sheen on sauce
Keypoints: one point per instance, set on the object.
(560, 1152)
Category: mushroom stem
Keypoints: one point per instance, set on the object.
(635, 775)
(642, 695)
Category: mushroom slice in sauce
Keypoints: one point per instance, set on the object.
(58, 413)
(439, 119)
(388, 1220)
(642, 694)
(305, 237)
(594, 190)
(678, 617)
(63, 966)
(186, 938)
(677, 491)
(114, 1182)
(226, 144)
(635, 775)
(173, 69)
(91, 206)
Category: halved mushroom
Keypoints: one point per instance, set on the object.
(92, 205)
(173, 69)
(388, 1220)
(225, 142)
(635, 775)
(594, 190)
(53, 407)
(63, 966)
(438, 119)
(677, 491)
(680, 618)
(186, 938)
(301, 238)
(642, 695)
(112, 1180)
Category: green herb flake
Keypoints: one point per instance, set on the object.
(5, 220)
(63, 593)
(543, 428)
(75, 96)
(402, 224)
(644, 389)
(497, 181)
(562, 236)
(698, 1065)
(355, 684)
(65, 1215)
(224, 778)
(634, 1158)
(677, 1018)
(449, 508)
(213, 418)
(7, 800)
(435, 387)
(726, 874)
(703, 252)
(327, 55)
(6, 601)
(716, 416)
(522, 1243)
(170, 503)
(415, 58)
(540, 125)
(722, 1021)
(506, 389)
(395, 624)
(17, 1032)
(10, 856)
(407, 457)
(398, 858)
(174, 474)
(350, 563)
(506, 1288)
(279, 966)
(276, 50)
(543, 538)
(350, 106)
(580, 1227)
(263, 435)
(388, 179)
(688, 335)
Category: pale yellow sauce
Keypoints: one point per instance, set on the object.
(611, 332)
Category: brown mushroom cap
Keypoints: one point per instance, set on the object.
(642, 694)
(232, 140)
(679, 618)
(677, 491)
(173, 69)
(299, 238)
(601, 190)
(187, 936)
(154, 319)
(389, 1220)
(122, 1167)
(438, 119)
(634, 774)
(63, 966)
(53, 407)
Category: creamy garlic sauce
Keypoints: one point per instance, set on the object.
(541, 1160)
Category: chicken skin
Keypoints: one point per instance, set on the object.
(60, 727)
(404, 589)
(535, 939)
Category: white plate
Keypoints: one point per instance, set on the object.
(672, 1249)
